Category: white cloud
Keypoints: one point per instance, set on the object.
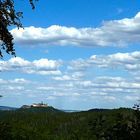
(15, 81)
(110, 98)
(119, 84)
(12, 86)
(19, 81)
(51, 98)
(128, 61)
(84, 83)
(132, 98)
(101, 89)
(18, 62)
(77, 83)
(2, 81)
(63, 78)
(46, 64)
(45, 88)
(112, 33)
(15, 88)
(42, 66)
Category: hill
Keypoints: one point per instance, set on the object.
(52, 124)
(7, 108)
(39, 109)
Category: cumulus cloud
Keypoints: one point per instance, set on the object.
(132, 98)
(69, 77)
(13, 86)
(111, 33)
(42, 66)
(19, 81)
(102, 88)
(63, 78)
(109, 87)
(77, 81)
(128, 61)
(2, 81)
(14, 81)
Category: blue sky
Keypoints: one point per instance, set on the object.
(74, 55)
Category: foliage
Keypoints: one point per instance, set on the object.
(117, 124)
(5, 131)
(9, 17)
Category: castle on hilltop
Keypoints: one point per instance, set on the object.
(35, 105)
(39, 105)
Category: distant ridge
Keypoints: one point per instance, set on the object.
(97, 110)
(70, 111)
(6, 108)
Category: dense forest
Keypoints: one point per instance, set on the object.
(52, 124)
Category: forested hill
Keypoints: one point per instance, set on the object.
(39, 109)
(52, 124)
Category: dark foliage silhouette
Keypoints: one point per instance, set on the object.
(9, 17)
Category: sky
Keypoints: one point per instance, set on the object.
(74, 55)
